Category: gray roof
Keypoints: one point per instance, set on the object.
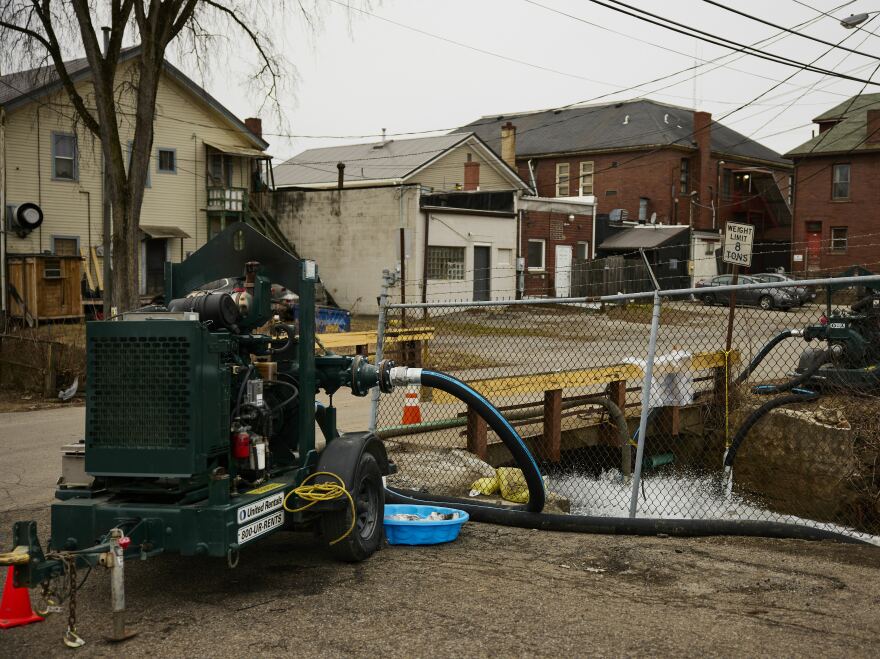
(646, 237)
(375, 161)
(614, 126)
(26, 86)
(849, 134)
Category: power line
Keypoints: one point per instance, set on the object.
(730, 44)
(789, 30)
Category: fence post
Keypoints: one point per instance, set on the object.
(617, 395)
(646, 403)
(49, 378)
(476, 435)
(388, 279)
(552, 449)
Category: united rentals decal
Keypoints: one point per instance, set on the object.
(260, 507)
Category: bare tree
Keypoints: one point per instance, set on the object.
(43, 31)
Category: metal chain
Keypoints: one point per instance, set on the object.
(71, 638)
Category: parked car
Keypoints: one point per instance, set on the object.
(804, 293)
(765, 298)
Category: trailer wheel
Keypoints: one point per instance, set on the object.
(369, 500)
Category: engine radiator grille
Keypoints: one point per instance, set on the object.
(140, 391)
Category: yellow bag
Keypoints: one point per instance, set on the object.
(513, 484)
(485, 486)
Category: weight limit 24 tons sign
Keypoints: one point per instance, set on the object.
(738, 243)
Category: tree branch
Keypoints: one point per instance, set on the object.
(50, 41)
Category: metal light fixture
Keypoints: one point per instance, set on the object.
(853, 20)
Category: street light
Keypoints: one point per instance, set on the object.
(854, 20)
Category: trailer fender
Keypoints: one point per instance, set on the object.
(342, 455)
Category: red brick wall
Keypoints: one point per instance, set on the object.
(859, 214)
(654, 175)
(554, 228)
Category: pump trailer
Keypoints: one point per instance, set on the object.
(200, 430)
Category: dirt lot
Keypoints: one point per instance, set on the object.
(495, 592)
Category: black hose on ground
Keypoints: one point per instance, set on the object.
(642, 526)
(772, 343)
(756, 416)
(766, 389)
(495, 420)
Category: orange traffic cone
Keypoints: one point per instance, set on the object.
(15, 606)
(411, 411)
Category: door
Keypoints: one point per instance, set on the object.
(814, 245)
(156, 250)
(482, 273)
(563, 270)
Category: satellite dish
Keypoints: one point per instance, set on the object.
(654, 218)
(25, 218)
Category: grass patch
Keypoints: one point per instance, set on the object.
(641, 313)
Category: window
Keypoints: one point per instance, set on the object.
(840, 182)
(65, 245)
(149, 182)
(168, 161)
(790, 189)
(684, 181)
(643, 209)
(725, 183)
(445, 262)
(535, 255)
(64, 166)
(505, 257)
(611, 193)
(52, 269)
(838, 239)
(582, 251)
(562, 176)
(586, 182)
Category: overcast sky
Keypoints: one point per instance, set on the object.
(358, 73)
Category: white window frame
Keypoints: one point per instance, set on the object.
(563, 181)
(587, 171)
(835, 182)
(543, 243)
(834, 247)
(159, 169)
(74, 158)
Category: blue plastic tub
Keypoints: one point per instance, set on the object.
(422, 531)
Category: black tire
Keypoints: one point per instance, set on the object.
(766, 302)
(708, 299)
(369, 498)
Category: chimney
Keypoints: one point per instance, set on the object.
(471, 174)
(508, 144)
(873, 127)
(341, 180)
(702, 173)
(106, 30)
(255, 125)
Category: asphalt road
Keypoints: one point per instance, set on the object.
(494, 592)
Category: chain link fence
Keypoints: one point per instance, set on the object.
(769, 413)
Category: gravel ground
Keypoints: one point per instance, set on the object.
(495, 592)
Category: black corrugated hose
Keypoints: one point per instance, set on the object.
(772, 343)
(766, 389)
(754, 417)
(531, 516)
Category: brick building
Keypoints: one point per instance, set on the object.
(641, 162)
(837, 175)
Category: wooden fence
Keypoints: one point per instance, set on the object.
(609, 276)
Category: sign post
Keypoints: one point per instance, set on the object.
(737, 251)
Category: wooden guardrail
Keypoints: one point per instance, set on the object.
(552, 384)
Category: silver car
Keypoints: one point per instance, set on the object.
(804, 294)
(765, 298)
